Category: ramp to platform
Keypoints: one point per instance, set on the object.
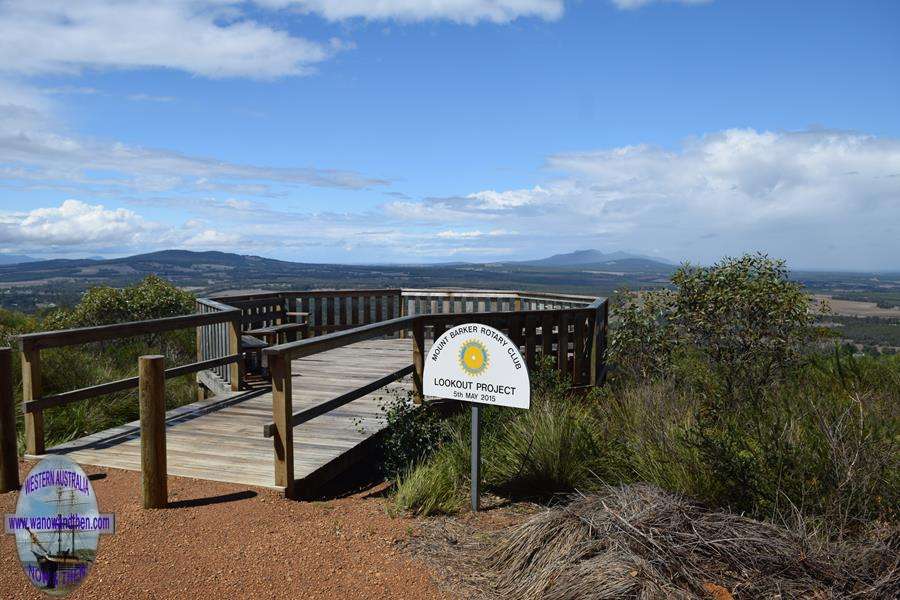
(221, 439)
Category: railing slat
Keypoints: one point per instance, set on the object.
(562, 343)
(530, 335)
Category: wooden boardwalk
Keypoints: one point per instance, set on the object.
(221, 439)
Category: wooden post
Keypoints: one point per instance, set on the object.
(234, 347)
(201, 395)
(530, 335)
(282, 411)
(404, 309)
(604, 332)
(152, 398)
(578, 354)
(291, 305)
(418, 339)
(546, 336)
(31, 390)
(9, 455)
(598, 347)
(562, 343)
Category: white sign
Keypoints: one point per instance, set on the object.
(477, 363)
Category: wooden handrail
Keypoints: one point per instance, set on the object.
(494, 293)
(84, 335)
(120, 385)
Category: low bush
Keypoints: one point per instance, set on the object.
(412, 433)
(75, 367)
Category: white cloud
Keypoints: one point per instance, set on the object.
(460, 11)
(632, 4)
(211, 238)
(493, 200)
(451, 234)
(212, 38)
(819, 198)
(73, 223)
(150, 98)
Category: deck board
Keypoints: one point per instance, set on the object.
(221, 438)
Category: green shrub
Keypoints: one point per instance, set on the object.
(152, 298)
(412, 433)
(643, 342)
(75, 367)
(746, 317)
(824, 443)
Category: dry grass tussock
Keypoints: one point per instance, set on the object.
(638, 541)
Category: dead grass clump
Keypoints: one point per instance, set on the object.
(639, 541)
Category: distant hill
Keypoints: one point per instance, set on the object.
(31, 286)
(14, 259)
(595, 258)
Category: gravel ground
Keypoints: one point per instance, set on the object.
(228, 541)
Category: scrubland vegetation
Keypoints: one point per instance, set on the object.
(723, 391)
(74, 367)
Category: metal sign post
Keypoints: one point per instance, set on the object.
(477, 364)
(476, 457)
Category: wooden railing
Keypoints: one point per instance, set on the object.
(336, 310)
(574, 336)
(218, 340)
(31, 345)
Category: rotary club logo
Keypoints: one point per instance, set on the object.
(473, 358)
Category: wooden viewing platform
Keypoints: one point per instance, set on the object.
(320, 399)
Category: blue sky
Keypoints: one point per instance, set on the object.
(401, 130)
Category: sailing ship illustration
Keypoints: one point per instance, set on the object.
(59, 553)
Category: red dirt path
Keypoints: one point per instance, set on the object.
(244, 546)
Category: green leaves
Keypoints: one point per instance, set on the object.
(152, 298)
(746, 316)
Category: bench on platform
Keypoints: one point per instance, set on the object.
(272, 332)
(252, 346)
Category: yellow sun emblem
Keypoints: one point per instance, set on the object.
(473, 357)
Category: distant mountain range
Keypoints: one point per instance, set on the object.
(14, 259)
(32, 285)
(588, 258)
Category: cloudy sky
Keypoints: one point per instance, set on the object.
(418, 131)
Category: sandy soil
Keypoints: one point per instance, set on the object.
(229, 541)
